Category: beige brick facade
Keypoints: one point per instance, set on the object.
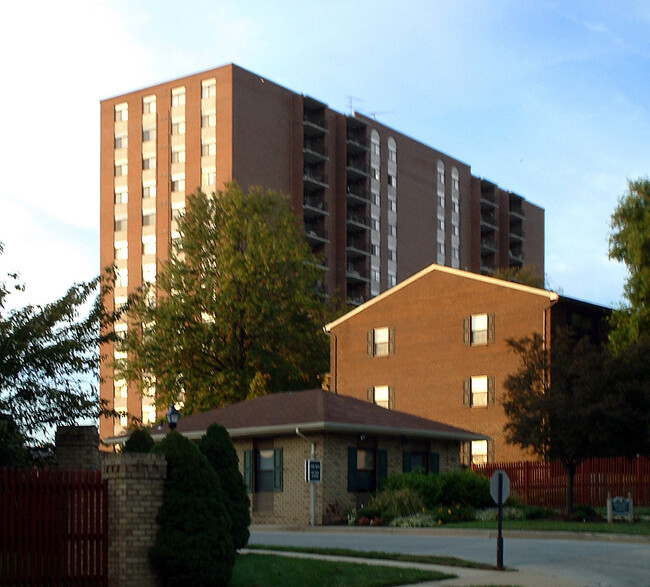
(292, 504)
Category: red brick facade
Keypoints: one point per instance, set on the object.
(430, 359)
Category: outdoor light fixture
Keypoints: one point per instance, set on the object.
(173, 415)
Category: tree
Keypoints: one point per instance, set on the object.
(629, 242)
(557, 401)
(237, 312)
(49, 356)
(525, 275)
(193, 545)
(217, 447)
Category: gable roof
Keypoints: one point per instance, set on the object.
(313, 410)
(551, 295)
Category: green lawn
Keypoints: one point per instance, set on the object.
(426, 559)
(269, 570)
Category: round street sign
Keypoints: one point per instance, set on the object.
(494, 486)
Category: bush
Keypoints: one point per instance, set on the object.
(139, 441)
(427, 485)
(536, 512)
(464, 487)
(584, 513)
(446, 514)
(393, 503)
(193, 545)
(217, 447)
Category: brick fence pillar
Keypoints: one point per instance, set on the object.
(77, 448)
(135, 491)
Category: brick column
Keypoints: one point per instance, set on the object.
(77, 448)
(135, 491)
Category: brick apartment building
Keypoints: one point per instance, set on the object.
(435, 346)
(376, 205)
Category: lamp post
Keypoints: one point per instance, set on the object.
(173, 415)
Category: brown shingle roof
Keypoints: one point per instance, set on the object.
(313, 411)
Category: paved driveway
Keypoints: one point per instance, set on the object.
(587, 560)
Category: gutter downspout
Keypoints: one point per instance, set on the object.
(312, 486)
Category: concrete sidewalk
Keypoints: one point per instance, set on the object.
(464, 576)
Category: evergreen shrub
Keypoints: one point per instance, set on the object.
(139, 441)
(193, 546)
(427, 485)
(466, 488)
(217, 447)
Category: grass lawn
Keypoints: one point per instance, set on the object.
(426, 559)
(268, 570)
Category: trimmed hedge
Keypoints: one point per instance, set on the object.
(193, 546)
(217, 447)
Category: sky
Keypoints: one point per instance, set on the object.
(548, 99)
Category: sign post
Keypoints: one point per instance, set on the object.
(500, 490)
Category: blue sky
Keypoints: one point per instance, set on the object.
(548, 99)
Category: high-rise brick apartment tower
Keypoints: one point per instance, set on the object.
(377, 206)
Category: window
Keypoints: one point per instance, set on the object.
(479, 452)
(382, 395)
(420, 459)
(209, 178)
(376, 274)
(392, 180)
(121, 141)
(208, 120)
(455, 253)
(392, 204)
(441, 248)
(478, 329)
(392, 279)
(263, 469)
(121, 196)
(375, 173)
(121, 112)
(148, 134)
(149, 273)
(441, 174)
(441, 201)
(455, 230)
(392, 254)
(208, 148)
(381, 341)
(455, 208)
(121, 223)
(149, 245)
(441, 224)
(149, 218)
(148, 191)
(178, 154)
(367, 468)
(149, 163)
(148, 104)
(178, 128)
(208, 88)
(392, 229)
(178, 185)
(478, 391)
(122, 277)
(178, 97)
(121, 250)
(121, 169)
(376, 225)
(376, 250)
(148, 414)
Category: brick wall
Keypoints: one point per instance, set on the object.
(431, 361)
(135, 491)
(292, 505)
(77, 448)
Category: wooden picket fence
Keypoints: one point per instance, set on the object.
(53, 527)
(544, 484)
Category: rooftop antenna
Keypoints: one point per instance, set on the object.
(351, 100)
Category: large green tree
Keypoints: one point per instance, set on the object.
(573, 401)
(49, 360)
(236, 313)
(629, 242)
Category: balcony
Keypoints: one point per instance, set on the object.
(358, 246)
(314, 123)
(516, 232)
(314, 151)
(357, 221)
(488, 245)
(489, 220)
(516, 207)
(315, 234)
(358, 292)
(357, 168)
(313, 180)
(357, 195)
(314, 206)
(516, 257)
